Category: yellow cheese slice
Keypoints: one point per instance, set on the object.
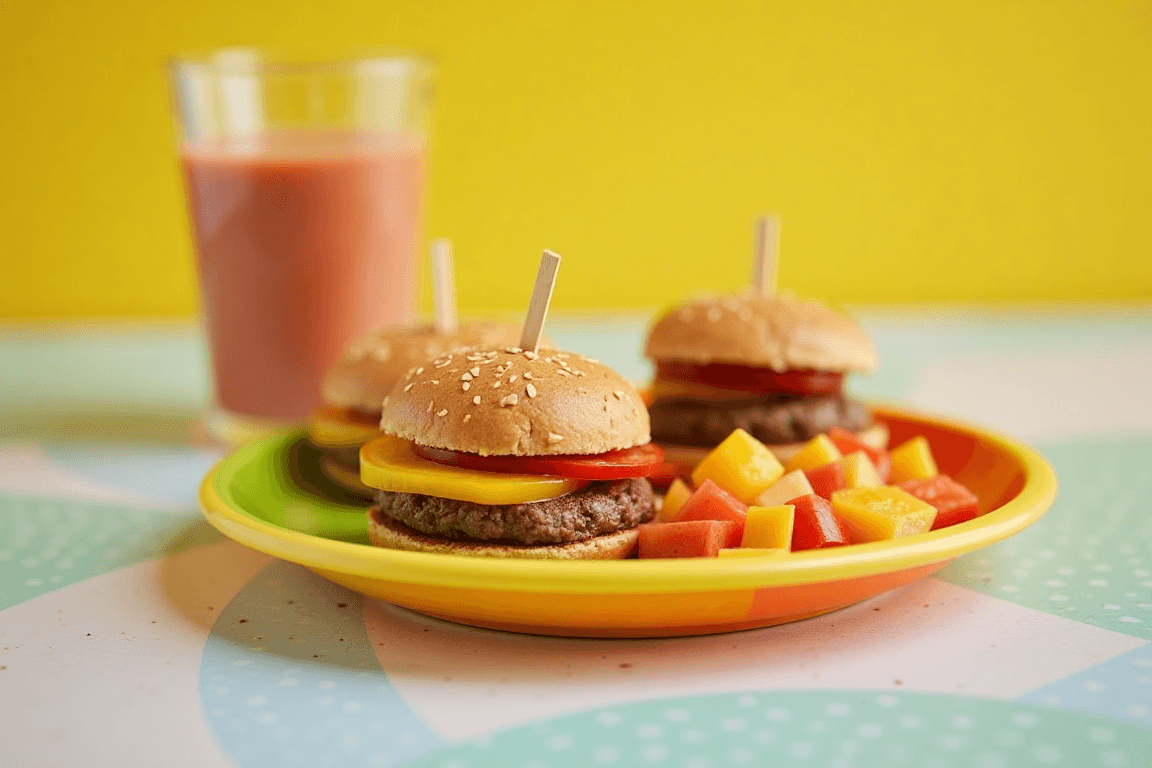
(331, 427)
(390, 464)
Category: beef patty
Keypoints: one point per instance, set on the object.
(772, 419)
(597, 509)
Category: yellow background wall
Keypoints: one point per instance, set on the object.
(916, 151)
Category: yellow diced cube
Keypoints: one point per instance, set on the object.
(912, 461)
(741, 465)
(674, 499)
(769, 527)
(877, 514)
(860, 472)
(816, 453)
(792, 486)
(743, 552)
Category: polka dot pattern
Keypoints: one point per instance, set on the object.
(289, 678)
(1090, 558)
(1119, 688)
(46, 544)
(846, 729)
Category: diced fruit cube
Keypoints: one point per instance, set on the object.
(746, 552)
(741, 465)
(827, 479)
(954, 503)
(711, 502)
(848, 443)
(816, 453)
(815, 525)
(876, 514)
(912, 460)
(674, 499)
(792, 485)
(695, 538)
(859, 471)
(768, 527)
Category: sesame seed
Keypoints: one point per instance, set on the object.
(530, 355)
(563, 372)
(592, 360)
(466, 377)
(466, 386)
(419, 371)
(513, 350)
(496, 384)
(430, 406)
(442, 412)
(547, 359)
(576, 372)
(527, 374)
(619, 395)
(435, 381)
(467, 417)
(510, 400)
(531, 390)
(475, 371)
(408, 387)
(476, 400)
(554, 438)
(512, 378)
(561, 355)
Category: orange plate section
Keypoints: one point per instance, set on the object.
(631, 615)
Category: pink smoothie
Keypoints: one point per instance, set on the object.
(304, 242)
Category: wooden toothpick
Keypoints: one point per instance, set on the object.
(541, 298)
(443, 287)
(766, 252)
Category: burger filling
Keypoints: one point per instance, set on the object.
(772, 418)
(595, 510)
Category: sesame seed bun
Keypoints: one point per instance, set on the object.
(874, 436)
(774, 331)
(385, 532)
(371, 365)
(505, 402)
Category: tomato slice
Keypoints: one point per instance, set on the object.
(749, 379)
(639, 461)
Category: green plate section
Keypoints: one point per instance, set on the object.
(278, 480)
(833, 729)
(1090, 558)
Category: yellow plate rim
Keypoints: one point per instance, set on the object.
(645, 576)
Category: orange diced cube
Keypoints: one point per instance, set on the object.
(877, 514)
(768, 527)
(860, 472)
(912, 461)
(674, 499)
(792, 486)
(741, 465)
(816, 453)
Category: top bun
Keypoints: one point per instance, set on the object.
(510, 402)
(371, 365)
(774, 331)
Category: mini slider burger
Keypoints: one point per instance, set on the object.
(366, 371)
(511, 452)
(370, 366)
(770, 364)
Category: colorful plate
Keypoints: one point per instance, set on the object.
(270, 495)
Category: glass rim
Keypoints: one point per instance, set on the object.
(248, 60)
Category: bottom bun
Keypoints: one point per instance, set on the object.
(875, 436)
(344, 477)
(383, 531)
